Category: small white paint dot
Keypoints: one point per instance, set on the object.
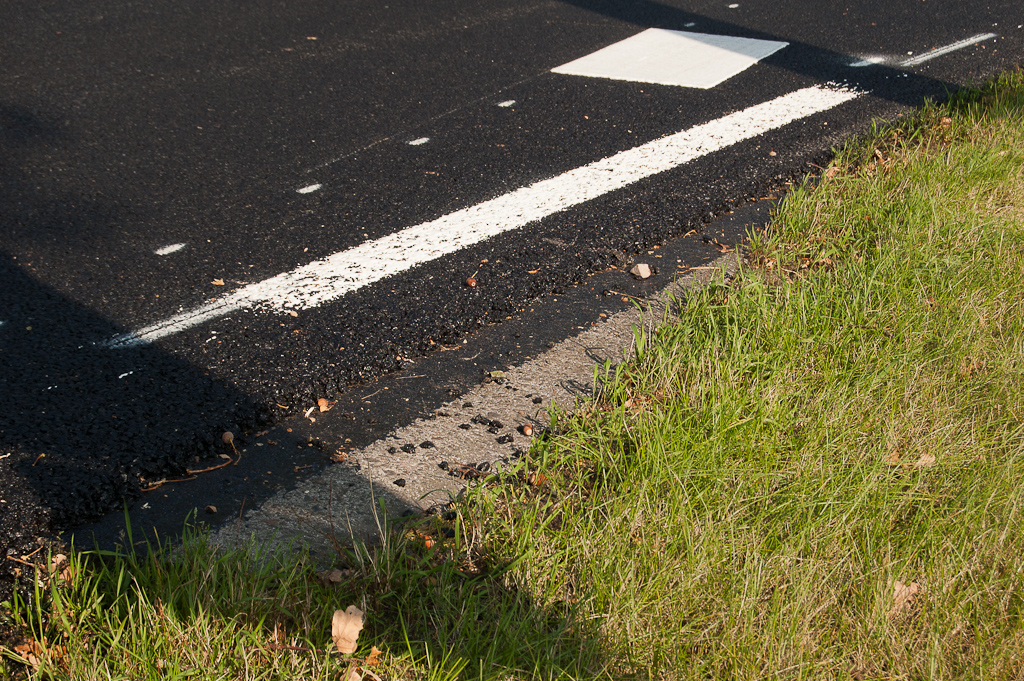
(910, 52)
(422, 140)
(733, 6)
(309, 189)
(508, 102)
(167, 250)
(690, 24)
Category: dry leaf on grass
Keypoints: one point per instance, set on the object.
(903, 596)
(345, 628)
(31, 652)
(374, 659)
(352, 674)
(926, 461)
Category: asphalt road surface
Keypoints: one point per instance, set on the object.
(214, 214)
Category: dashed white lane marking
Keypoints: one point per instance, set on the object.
(324, 280)
(665, 57)
(507, 103)
(167, 250)
(952, 47)
(309, 189)
(421, 140)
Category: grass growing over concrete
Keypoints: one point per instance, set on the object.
(812, 471)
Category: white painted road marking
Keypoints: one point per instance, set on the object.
(167, 250)
(324, 280)
(309, 189)
(421, 140)
(665, 57)
(874, 60)
(507, 103)
(953, 47)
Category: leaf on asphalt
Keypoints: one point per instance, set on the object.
(217, 282)
(324, 405)
(345, 628)
(374, 658)
(903, 596)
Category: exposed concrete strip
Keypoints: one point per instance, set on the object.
(344, 500)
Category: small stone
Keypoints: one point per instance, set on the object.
(538, 400)
(493, 431)
(400, 482)
(467, 405)
(505, 439)
(483, 466)
(465, 426)
(408, 449)
(392, 450)
(443, 465)
(641, 270)
(497, 424)
(426, 444)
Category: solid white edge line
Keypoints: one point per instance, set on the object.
(952, 47)
(324, 280)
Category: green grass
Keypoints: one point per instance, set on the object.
(744, 499)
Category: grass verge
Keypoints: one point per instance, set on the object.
(813, 471)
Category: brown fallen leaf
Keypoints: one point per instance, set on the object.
(31, 652)
(374, 658)
(334, 576)
(217, 282)
(345, 627)
(352, 674)
(903, 596)
(926, 461)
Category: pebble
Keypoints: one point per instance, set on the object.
(400, 482)
(408, 449)
(642, 270)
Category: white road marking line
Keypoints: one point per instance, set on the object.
(167, 250)
(324, 280)
(682, 58)
(507, 103)
(868, 61)
(309, 189)
(952, 47)
(421, 140)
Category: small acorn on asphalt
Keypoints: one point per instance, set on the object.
(528, 430)
(471, 282)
